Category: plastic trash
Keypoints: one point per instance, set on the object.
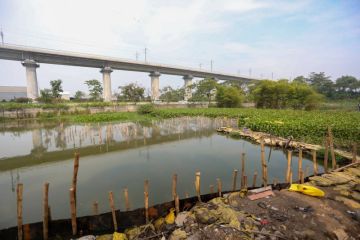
(306, 189)
(119, 236)
(170, 218)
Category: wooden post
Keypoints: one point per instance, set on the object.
(177, 204)
(174, 184)
(300, 163)
(254, 179)
(112, 207)
(314, 162)
(73, 211)
(197, 185)
(46, 212)
(219, 186)
(126, 197)
(242, 170)
(263, 164)
(291, 177)
(75, 173)
(211, 189)
(19, 192)
(288, 170)
(146, 200)
(235, 172)
(354, 153)
(96, 208)
(331, 143)
(326, 154)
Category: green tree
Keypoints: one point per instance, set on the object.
(347, 87)
(56, 88)
(321, 83)
(205, 88)
(131, 92)
(95, 89)
(79, 95)
(168, 94)
(45, 96)
(282, 94)
(299, 79)
(228, 96)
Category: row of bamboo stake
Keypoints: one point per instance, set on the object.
(175, 197)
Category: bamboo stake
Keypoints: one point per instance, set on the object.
(301, 177)
(245, 182)
(126, 197)
(288, 170)
(75, 173)
(197, 185)
(73, 211)
(235, 172)
(326, 154)
(27, 234)
(211, 189)
(291, 178)
(19, 192)
(177, 204)
(174, 184)
(254, 179)
(263, 164)
(96, 208)
(242, 169)
(146, 200)
(300, 163)
(314, 162)
(46, 212)
(112, 207)
(219, 185)
(331, 143)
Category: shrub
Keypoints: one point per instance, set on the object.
(146, 109)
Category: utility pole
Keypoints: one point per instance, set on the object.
(211, 65)
(2, 36)
(249, 72)
(137, 56)
(145, 50)
(200, 65)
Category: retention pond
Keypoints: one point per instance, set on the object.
(114, 156)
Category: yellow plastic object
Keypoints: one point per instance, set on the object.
(119, 236)
(308, 190)
(170, 218)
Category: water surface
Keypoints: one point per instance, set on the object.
(118, 155)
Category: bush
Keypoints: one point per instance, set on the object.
(146, 109)
(23, 100)
(228, 96)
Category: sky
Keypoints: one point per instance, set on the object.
(271, 38)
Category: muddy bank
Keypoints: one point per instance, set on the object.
(275, 141)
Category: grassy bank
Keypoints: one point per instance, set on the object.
(308, 126)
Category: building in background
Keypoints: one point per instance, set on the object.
(65, 95)
(11, 92)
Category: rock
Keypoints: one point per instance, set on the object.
(341, 234)
(180, 218)
(178, 234)
(348, 202)
(88, 237)
(356, 187)
(355, 195)
(203, 215)
(105, 237)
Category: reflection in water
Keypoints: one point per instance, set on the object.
(115, 156)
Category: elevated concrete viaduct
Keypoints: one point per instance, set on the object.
(31, 57)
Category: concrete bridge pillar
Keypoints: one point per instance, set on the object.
(187, 86)
(155, 92)
(106, 71)
(32, 90)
